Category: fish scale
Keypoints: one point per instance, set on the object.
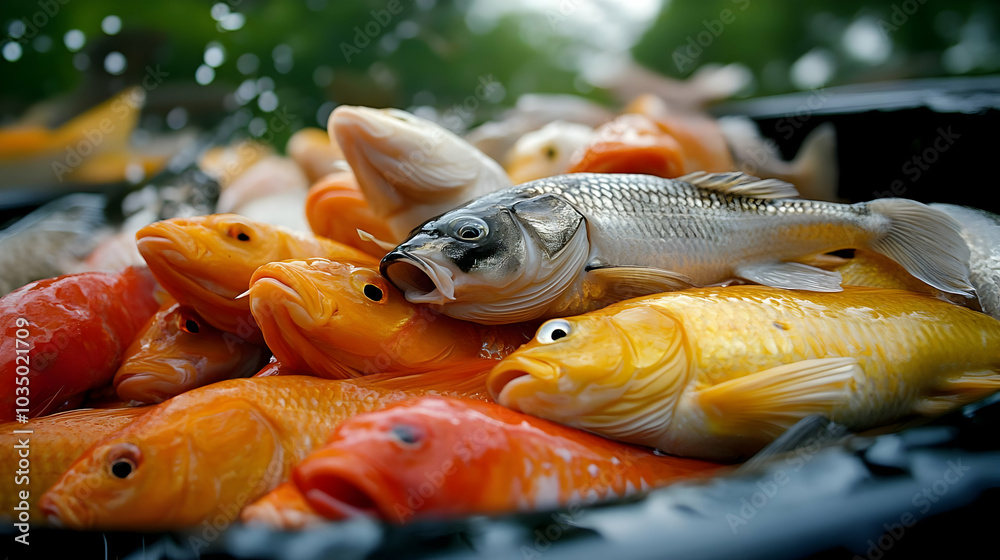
(754, 359)
(574, 243)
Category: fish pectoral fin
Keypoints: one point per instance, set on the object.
(626, 282)
(766, 403)
(740, 184)
(958, 391)
(791, 276)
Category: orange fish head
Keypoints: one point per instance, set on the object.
(317, 315)
(206, 261)
(336, 209)
(421, 458)
(615, 361)
(177, 351)
(173, 467)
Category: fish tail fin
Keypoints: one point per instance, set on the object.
(814, 170)
(982, 232)
(927, 242)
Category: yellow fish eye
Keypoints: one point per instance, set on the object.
(553, 330)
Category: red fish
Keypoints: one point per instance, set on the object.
(650, 139)
(436, 457)
(64, 336)
(177, 351)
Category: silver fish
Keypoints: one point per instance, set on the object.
(574, 243)
(981, 231)
(51, 240)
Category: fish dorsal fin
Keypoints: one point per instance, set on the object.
(791, 276)
(740, 184)
(551, 220)
(765, 404)
(626, 282)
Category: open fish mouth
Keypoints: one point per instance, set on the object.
(337, 491)
(514, 377)
(420, 280)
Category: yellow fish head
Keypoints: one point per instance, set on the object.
(606, 368)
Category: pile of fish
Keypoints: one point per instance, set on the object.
(567, 306)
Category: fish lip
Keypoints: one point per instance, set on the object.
(274, 278)
(354, 494)
(158, 247)
(507, 373)
(59, 511)
(420, 280)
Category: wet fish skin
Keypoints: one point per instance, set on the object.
(177, 351)
(720, 372)
(482, 458)
(981, 231)
(336, 209)
(341, 320)
(205, 453)
(75, 331)
(574, 243)
(205, 262)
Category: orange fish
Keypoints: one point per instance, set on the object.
(341, 320)
(43, 454)
(336, 209)
(650, 139)
(437, 457)
(205, 454)
(177, 351)
(64, 336)
(283, 508)
(205, 262)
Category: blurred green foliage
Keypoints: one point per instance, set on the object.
(313, 54)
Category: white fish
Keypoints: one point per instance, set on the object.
(550, 150)
(411, 169)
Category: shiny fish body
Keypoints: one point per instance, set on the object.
(482, 458)
(206, 453)
(577, 242)
(719, 372)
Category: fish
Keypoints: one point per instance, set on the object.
(340, 320)
(225, 164)
(531, 112)
(206, 453)
(66, 335)
(92, 147)
(410, 168)
(51, 240)
(176, 351)
(438, 458)
(282, 508)
(547, 151)
(270, 175)
(314, 152)
(577, 242)
(717, 373)
(813, 171)
(708, 84)
(205, 262)
(53, 443)
(981, 232)
(651, 139)
(336, 209)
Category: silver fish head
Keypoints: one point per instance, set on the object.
(501, 262)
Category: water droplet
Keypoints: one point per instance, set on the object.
(74, 39)
(219, 11)
(204, 74)
(257, 127)
(232, 22)
(111, 25)
(322, 76)
(115, 63)
(247, 63)
(16, 29)
(12, 51)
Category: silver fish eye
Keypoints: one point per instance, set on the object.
(469, 228)
(553, 330)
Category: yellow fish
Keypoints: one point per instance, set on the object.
(720, 372)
